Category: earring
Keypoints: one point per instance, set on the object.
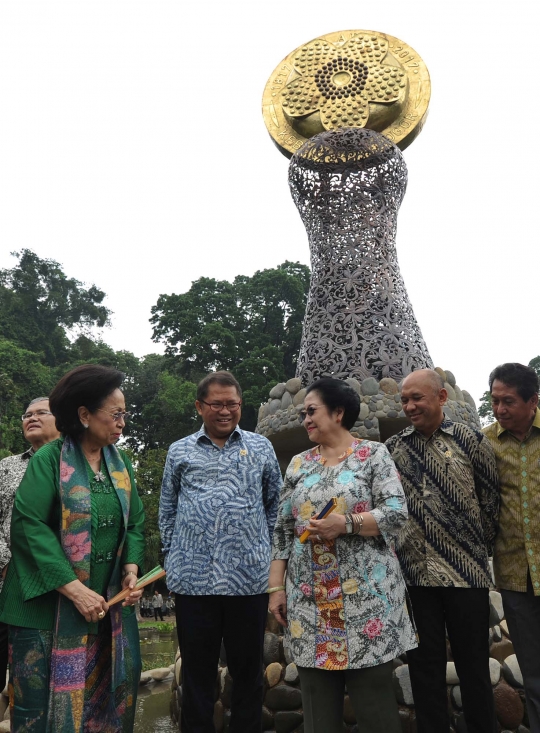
(84, 425)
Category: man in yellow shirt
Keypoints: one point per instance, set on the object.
(515, 438)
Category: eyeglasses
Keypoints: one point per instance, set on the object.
(37, 413)
(120, 415)
(309, 411)
(218, 406)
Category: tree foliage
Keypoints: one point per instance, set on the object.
(39, 304)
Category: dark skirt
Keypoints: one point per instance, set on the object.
(103, 711)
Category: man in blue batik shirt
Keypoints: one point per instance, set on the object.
(217, 513)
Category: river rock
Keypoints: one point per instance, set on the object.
(299, 398)
(293, 385)
(450, 378)
(451, 393)
(291, 673)
(286, 401)
(283, 697)
(455, 696)
(451, 674)
(276, 393)
(145, 678)
(496, 610)
(512, 672)
(287, 721)
(441, 373)
(271, 648)
(402, 685)
(287, 654)
(388, 385)
(355, 384)
(469, 399)
(501, 649)
(273, 673)
(459, 394)
(219, 715)
(162, 673)
(494, 671)
(364, 411)
(267, 719)
(508, 706)
(348, 712)
(226, 690)
(370, 386)
(274, 406)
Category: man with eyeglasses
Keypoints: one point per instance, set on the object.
(39, 428)
(217, 512)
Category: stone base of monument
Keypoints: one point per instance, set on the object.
(380, 412)
(282, 708)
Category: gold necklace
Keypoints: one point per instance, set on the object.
(346, 453)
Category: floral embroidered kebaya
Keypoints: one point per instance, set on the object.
(346, 599)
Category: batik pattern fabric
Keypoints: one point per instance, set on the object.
(452, 489)
(12, 470)
(68, 662)
(517, 545)
(30, 653)
(217, 513)
(346, 604)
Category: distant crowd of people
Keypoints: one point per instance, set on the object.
(400, 562)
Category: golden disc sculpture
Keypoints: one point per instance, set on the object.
(347, 79)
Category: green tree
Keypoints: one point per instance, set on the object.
(148, 474)
(22, 378)
(252, 326)
(39, 305)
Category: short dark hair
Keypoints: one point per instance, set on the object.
(88, 386)
(522, 377)
(226, 379)
(336, 393)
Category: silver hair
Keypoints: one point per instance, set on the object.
(38, 399)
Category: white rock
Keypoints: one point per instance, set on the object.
(161, 673)
(145, 678)
(5, 726)
(512, 672)
(451, 674)
(291, 673)
(404, 684)
(455, 694)
(494, 671)
(496, 610)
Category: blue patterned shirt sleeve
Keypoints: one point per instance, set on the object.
(272, 483)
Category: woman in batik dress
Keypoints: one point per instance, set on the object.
(344, 606)
(77, 539)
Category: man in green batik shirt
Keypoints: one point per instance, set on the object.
(515, 438)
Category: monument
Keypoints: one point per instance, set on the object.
(343, 107)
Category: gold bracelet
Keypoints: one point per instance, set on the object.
(275, 588)
(129, 572)
(358, 522)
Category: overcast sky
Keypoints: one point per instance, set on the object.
(133, 152)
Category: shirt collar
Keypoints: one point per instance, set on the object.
(235, 435)
(535, 424)
(447, 426)
(28, 453)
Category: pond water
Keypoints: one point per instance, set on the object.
(158, 649)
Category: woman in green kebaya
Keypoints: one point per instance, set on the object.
(77, 539)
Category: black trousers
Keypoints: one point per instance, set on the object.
(522, 612)
(465, 613)
(202, 622)
(371, 693)
(156, 611)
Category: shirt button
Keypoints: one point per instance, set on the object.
(524, 458)
(524, 489)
